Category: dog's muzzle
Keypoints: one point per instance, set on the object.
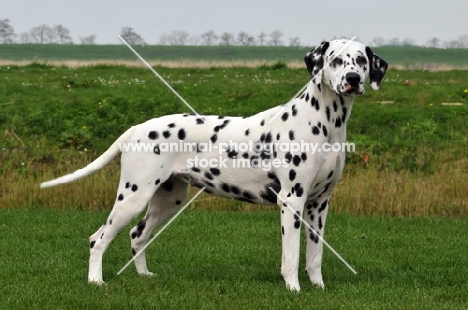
(353, 84)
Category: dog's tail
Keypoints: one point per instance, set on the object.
(96, 165)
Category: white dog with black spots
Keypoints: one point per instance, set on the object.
(159, 180)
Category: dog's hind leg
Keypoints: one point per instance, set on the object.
(130, 202)
(166, 201)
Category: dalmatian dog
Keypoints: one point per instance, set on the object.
(158, 179)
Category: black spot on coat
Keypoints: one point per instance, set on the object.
(299, 190)
(296, 160)
(215, 171)
(338, 122)
(315, 130)
(208, 175)
(156, 150)
(315, 103)
(214, 138)
(225, 187)
(153, 135)
(292, 175)
(268, 194)
(294, 110)
(168, 186)
(181, 134)
(323, 206)
(235, 190)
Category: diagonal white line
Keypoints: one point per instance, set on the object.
(320, 71)
(316, 233)
(161, 230)
(160, 77)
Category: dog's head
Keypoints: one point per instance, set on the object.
(344, 66)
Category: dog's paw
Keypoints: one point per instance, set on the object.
(318, 284)
(96, 282)
(293, 287)
(316, 279)
(147, 274)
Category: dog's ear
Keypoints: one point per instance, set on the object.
(378, 67)
(314, 62)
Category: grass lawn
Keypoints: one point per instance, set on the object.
(231, 260)
(411, 160)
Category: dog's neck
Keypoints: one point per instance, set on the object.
(332, 107)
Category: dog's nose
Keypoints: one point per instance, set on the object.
(353, 78)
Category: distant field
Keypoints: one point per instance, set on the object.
(402, 57)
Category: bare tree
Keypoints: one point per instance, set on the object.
(433, 42)
(394, 41)
(175, 37)
(37, 34)
(460, 42)
(7, 33)
(50, 35)
(47, 34)
(409, 42)
(463, 41)
(295, 41)
(88, 40)
(378, 41)
(275, 38)
(164, 39)
(208, 38)
(451, 44)
(193, 40)
(25, 37)
(130, 35)
(63, 35)
(227, 39)
(245, 39)
(41, 34)
(262, 38)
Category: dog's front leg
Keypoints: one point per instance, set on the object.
(291, 212)
(316, 215)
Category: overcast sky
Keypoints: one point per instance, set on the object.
(311, 21)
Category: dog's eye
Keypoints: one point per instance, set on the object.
(336, 62)
(361, 61)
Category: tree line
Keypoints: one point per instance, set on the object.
(58, 34)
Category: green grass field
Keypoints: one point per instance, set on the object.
(398, 214)
(56, 119)
(231, 260)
